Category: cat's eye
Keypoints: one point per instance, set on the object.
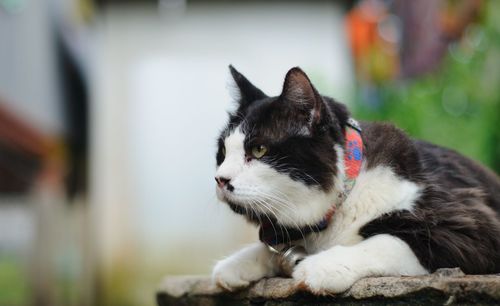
(223, 151)
(259, 151)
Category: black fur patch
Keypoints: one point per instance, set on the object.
(250, 215)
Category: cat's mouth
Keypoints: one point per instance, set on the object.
(239, 206)
(248, 212)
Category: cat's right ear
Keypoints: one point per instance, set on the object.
(246, 91)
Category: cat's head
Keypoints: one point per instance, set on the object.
(281, 157)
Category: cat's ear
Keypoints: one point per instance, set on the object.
(247, 92)
(299, 91)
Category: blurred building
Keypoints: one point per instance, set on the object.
(161, 91)
(134, 94)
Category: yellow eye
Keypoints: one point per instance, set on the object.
(223, 151)
(259, 151)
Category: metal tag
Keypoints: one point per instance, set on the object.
(289, 257)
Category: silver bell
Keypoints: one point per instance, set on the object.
(290, 257)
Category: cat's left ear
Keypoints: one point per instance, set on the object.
(247, 92)
(300, 92)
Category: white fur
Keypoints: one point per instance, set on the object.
(339, 255)
(336, 269)
(377, 191)
(234, 161)
(247, 265)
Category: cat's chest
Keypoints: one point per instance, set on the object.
(377, 191)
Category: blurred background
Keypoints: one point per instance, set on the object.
(109, 112)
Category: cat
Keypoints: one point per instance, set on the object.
(374, 204)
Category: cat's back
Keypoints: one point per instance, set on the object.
(454, 171)
(422, 162)
(455, 222)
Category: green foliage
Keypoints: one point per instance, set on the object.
(458, 106)
(13, 282)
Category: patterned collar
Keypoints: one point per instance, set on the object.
(273, 234)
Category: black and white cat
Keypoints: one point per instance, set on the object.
(411, 207)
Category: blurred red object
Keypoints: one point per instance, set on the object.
(375, 57)
(420, 32)
(361, 24)
(26, 155)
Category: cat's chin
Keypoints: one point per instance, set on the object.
(248, 213)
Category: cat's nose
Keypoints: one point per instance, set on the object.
(222, 181)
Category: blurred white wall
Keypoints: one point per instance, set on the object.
(160, 100)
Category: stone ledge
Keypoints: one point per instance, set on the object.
(444, 287)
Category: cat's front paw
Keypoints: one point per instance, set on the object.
(245, 266)
(228, 276)
(325, 273)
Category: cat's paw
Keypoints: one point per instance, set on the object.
(228, 277)
(231, 274)
(326, 273)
